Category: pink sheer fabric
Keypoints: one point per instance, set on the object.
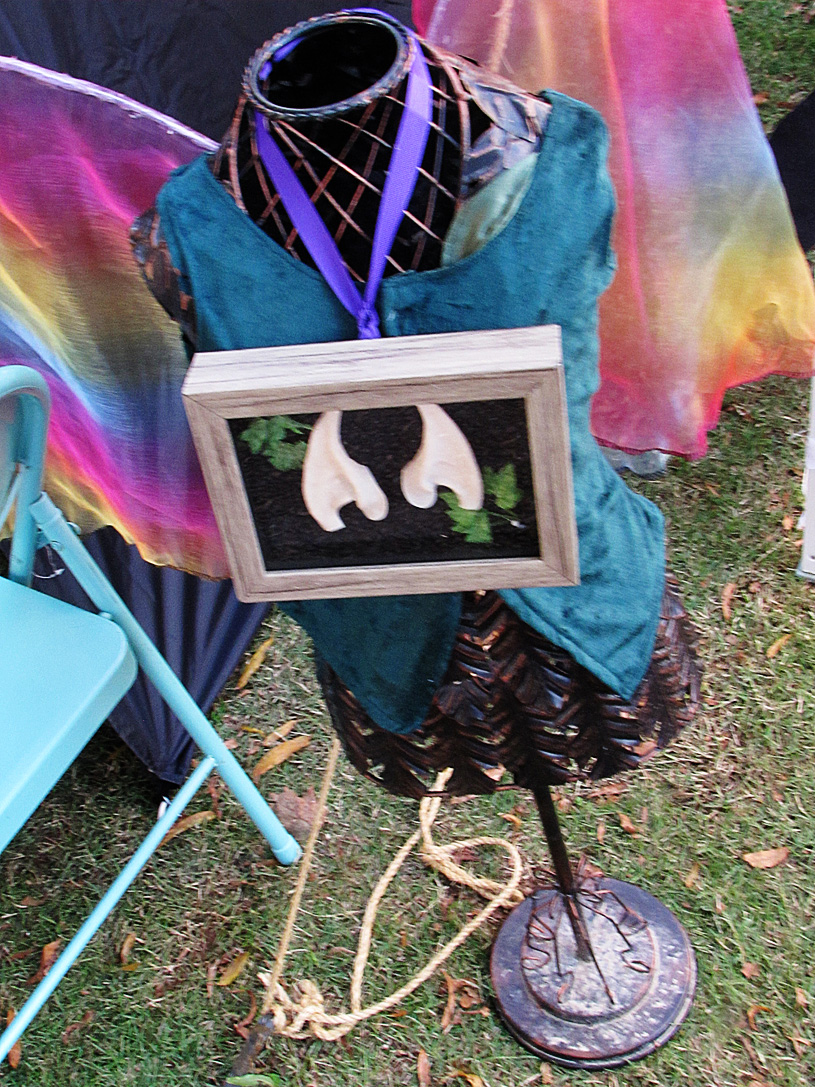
(712, 289)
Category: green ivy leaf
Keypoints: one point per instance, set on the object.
(269, 437)
(474, 525)
(255, 1080)
(503, 486)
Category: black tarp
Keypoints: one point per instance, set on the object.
(793, 144)
(184, 58)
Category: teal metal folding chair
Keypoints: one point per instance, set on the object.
(63, 669)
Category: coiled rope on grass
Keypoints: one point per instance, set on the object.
(301, 1012)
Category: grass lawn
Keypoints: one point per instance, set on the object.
(742, 780)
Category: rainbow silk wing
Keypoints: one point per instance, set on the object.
(77, 165)
(712, 289)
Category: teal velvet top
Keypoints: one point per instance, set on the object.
(547, 266)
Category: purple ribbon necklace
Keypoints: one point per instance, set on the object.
(408, 151)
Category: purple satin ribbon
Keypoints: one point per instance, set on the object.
(408, 151)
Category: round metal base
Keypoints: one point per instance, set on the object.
(607, 1010)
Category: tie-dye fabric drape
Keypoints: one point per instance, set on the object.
(77, 165)
(712, 289)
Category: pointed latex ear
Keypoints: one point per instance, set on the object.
(331, 479)
(444, 459)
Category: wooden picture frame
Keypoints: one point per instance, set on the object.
(505, 387)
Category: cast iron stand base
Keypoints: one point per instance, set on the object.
(592, 975)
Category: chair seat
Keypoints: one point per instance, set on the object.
(62, 670)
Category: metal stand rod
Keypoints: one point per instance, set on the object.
(563, 870)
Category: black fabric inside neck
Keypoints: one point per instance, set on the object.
(331, 64)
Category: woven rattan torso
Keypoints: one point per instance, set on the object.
(513, 708)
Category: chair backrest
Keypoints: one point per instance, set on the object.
(24, 409)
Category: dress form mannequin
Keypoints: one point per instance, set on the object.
(513, 704)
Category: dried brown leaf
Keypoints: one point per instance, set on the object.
(799, 1044)
(248, 1018)
(127, 947)
(254, 662)
(29, 901)
(801, 998)
(762, 97)
(601, 832)
(610, 791)
(48, 956)
(16, 1052)
(628, 824)
(194, 820)
(297, 813)
(85, 1021)
(447, 1018)
(753, 1011)
(750, 970)
(510, 817)
(788, 522)
(692, 877)
(212, 972)
(727, 600)
(471, 1078)
(280, 733)
(546, 1075)
(778, 645)
(278, 754)
(233, 970)
(767, 858)
(423, 1069)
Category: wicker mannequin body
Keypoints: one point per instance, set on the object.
(513, 708)
(504, 679)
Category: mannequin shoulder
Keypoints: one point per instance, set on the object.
(506, 123)
(153, 257)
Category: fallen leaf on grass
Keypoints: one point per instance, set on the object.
(212, 971)
(801, 998)
(727, 599)
(48, 956)
(753, 1011)
(462, 993)
(472, 1079)
(692, 877)
(799, 1044)
(767, 858)
(546, 1075)
(278, 754)
(127, 947)
(628, 825)
(16, 1051)
(254, 662)
(601, 832)
(85, 1021)
(760, 98)
(280, 733)
(233, 970)
(423, 1069)
(29, 901)
(611, 791)
(241, 1028)
(750, 970)
(297, 813)
(255, 1079)
(185, 823)
(778, 645)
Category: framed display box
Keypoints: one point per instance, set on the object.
(414, 464)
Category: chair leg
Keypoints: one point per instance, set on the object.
(62, 538)
(106, 904)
